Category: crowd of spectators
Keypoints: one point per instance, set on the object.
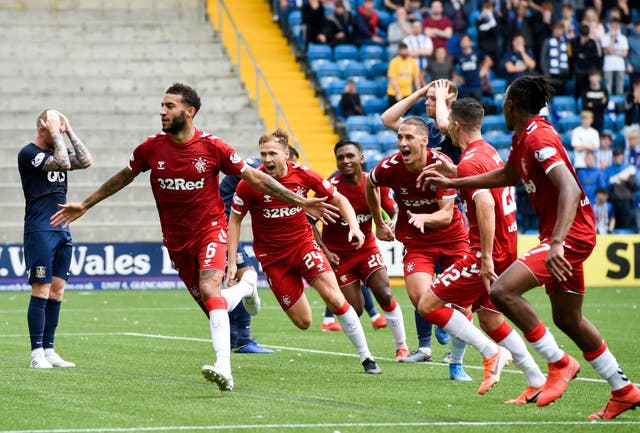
(590, 50)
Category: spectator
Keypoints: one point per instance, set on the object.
(403, 75)
(398, 30)
(633, 59)
(437, 26)
(595, 99)
(440, 66)
(554, 58)
(569, 23)
(621, 10)
(472, 69)
(519, 60)
(616, 48)
(586, 55)
(338, 25)
(350, 101)
(632, 105)
(313, 17)
(394, 5)
(604, 156)
(603, 210)
(584, 138)
(416, 10)
(420, 48)
(596, 29)
(529, 23)
(488, 33)
(591, 177)
(632, 147)
(366, 25)
(621, 184)
(281, 11)
(458, 11)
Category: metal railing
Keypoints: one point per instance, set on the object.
(256, 77)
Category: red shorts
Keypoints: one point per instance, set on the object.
(461, 284)
(575, 253)
(207, 251)
(425, 259)
(359, 265)
(285, 276)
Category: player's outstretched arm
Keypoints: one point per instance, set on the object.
(316, 207)
(233, 240)
(505, 176)
(347, 212)
(392, 117)
(80, 157)
(72, 211)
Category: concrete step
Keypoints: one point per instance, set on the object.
(108, 68)
(222, 80)
(234, 100)
(102, 50)
(138, 190)
(110, 6)
(87, 230)
(112, 211)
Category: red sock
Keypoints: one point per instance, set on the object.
(536, 333)
(215, 303)
(340, 311)
(392, 306)
(501, 332)
(593, 355)
(440, 316)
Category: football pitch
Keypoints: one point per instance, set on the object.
(139, 354)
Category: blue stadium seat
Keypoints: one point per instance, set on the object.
(345, 52)
(563, 103)
(319, 51)
(375, 105)
(617, 99)
(372, 52)
(388, 140)
(499, 139)
(352, 68)
(377, 68)
(372, 158)
(568, 121)
(295, 17)
(376, 123)
(383, 83)
(325, 68)
(493, 122)
(499, 85)
(369, 142)
(367, 87)
(335, 87)
(358, 123)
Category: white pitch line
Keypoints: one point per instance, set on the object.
(599, 424)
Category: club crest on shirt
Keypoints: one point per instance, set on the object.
(545, 153)
(41, 271)
(200, 164)
(403, 190)
(300, 191)
(37, 160)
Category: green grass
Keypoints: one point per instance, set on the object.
(139, 355)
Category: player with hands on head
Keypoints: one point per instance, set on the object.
(185, 164)
(567, 237)
(285, 246)
(44, 165)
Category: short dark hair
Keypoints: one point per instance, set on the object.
(294, 152)
(189, 95)
(530, 94)
(601, 190)
(343, 143)
(402, 45)
(468, 112)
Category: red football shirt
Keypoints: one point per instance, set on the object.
(534, 154)
(392, 172)
(480, 157)
(278, 224)
(335, 236)
(184, 181)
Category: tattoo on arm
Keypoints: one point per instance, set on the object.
(80, 157)
(60, 159)
(115, 183)
(276, 190)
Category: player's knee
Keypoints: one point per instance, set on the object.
(499, 295)
(302, 323)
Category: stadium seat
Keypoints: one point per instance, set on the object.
(568, 121)
(358, 123)
(325, 68)
(618, 100)
(376, 123)
(367, 87)
(352, 69)
(383, 83)
(319, 51)
(563, 103)
(388, 140)
(372, 158)
(372, 52)
(375, 105)
(493, 122)
(499, 85)
(369, 142)
(376, 68)
(345, 52)
(334, 87)
(498, 139)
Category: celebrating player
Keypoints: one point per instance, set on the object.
(43, 167)
(364, 264)
(493, 234)
(285, 246)
(185, 163)
(567, 237)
